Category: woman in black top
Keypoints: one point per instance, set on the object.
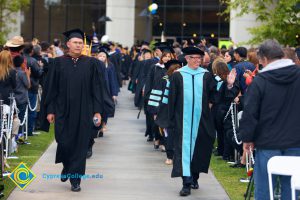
(222, 102)
(7, 76)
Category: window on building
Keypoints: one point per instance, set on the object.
(47, 19)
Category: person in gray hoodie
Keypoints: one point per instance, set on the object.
(270, 121)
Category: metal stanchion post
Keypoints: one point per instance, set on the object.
(1, 150)
(10, 124)
(26, 125)
(11, 120)
(235, 111)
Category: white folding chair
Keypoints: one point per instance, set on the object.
(282, 165)
(295, 184)
(7, 135)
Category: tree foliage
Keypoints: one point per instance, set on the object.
(278, 19)
(7, 10)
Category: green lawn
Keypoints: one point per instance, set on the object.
(29, 154)
(229, 178)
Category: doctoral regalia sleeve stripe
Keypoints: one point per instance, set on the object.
(165, 100)
(153, 97)
(158, 92)
(166, 93)
(153, 103)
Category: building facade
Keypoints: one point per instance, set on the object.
(131, 21)
(47, 19)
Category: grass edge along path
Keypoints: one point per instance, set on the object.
(29, 154)
(229, 178)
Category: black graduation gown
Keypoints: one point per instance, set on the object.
(126, 63)
(191, 91)
(116, 58)
(154, 88)
(222, 102)
(144, 68)
(223, 99)
(154, 75)
(74, 95)
(162, 110)
(111, 80)
(107, 75)
(132, 66)
(135, 67)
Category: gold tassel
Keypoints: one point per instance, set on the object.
(87, 49)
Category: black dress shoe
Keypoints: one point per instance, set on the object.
(100, 134)
(75, 187)
(195, 185)
(89, 153)
(185, 191)
(150, 139)
(63, 176)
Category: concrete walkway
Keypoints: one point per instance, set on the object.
(131, 169)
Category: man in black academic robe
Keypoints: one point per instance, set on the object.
(74, 99)
(191, 91)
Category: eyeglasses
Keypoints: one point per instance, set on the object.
(196, 57)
